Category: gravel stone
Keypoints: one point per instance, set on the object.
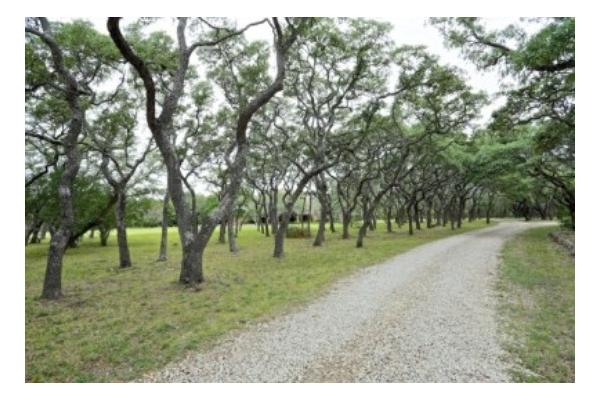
(427, 315)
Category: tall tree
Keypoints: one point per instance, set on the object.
(77, 56)
(194, 239)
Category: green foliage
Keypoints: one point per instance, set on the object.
(90, 196)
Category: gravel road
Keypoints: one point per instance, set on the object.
(427, 315)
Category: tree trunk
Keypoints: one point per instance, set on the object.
(388, 219)
(278, 252)
(346, 218)
(222, 229)
(92, 231)
(302, 214)
(191, 264)
(124, 257)
(410, 220)
(35, 233)
(104, 233)
(331, 219)
(362, 232)
(273, 211)
(322, 194)
(164, 235)
(309, 214)
(461, 211)
(231, 236)
(417, 216)
(429, 216)
(265, 224)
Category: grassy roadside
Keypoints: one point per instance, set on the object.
(537, 288)
(114, 325)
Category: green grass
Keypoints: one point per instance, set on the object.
(537, 287)
(114, 325)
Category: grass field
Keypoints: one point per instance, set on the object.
(538, 305)
(113, 325)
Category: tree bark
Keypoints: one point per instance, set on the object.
(346, 218)
(274, 218)
(388, 219)
(104, 233)
(417, 216)
(222, 230)
(429, 215)
(231, 236)
(164, 234)
(124, 257)
(331, 219)
(278, 252)
(322, 194)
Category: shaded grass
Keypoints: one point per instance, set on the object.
(537, 287)
(114, 325)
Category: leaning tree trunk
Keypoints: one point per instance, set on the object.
(124, 257)
(164, 234)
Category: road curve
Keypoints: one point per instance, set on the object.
(427, 315)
